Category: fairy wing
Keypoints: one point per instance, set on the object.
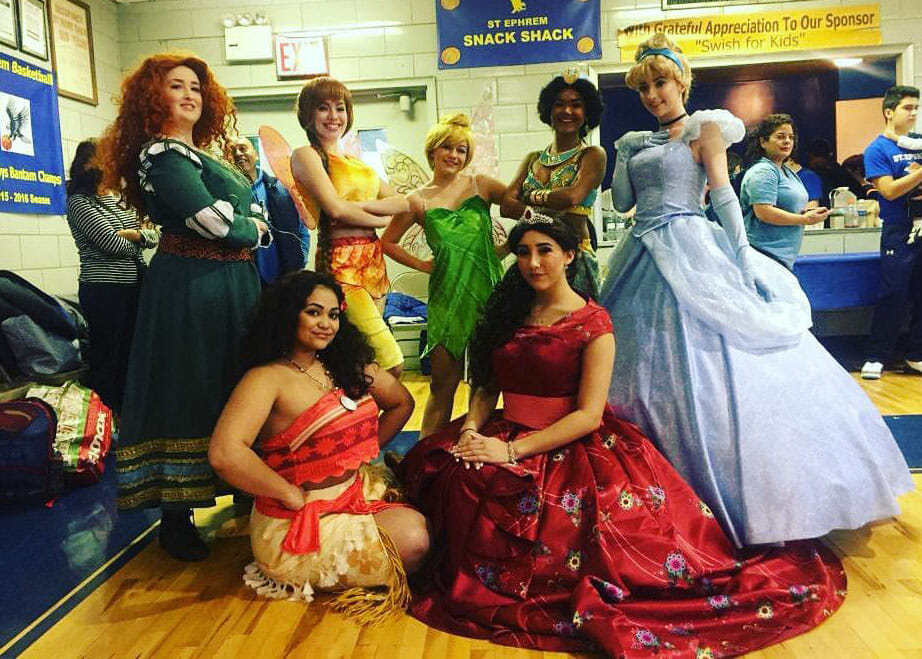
(405, 175)
(278, 153)
(485, 160)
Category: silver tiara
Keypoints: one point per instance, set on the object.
(531, 216)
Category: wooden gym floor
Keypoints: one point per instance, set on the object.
(157, 607)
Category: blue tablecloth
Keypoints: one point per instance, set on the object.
(839, 281)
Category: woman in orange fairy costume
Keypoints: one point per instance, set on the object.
(350, 202)
(324, 518)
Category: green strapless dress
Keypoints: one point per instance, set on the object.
(464, 273)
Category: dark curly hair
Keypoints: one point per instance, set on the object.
(590, 95)
(143, 113)
(512, 300)
(273, 327)
(315, 92)
(84, 176)
(763, 130)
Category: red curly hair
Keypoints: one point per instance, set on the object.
(143, 114)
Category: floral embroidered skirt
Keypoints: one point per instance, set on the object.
(599, 545)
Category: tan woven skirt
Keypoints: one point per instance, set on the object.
(357, 560)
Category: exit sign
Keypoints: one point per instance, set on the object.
(298, 56)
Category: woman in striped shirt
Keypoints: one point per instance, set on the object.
(109, 241)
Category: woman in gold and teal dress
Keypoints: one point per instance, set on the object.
(453, 209)
(563, 180)
(199, 288)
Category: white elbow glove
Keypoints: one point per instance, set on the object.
(727, 208)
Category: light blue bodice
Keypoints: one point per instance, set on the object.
(667, 182)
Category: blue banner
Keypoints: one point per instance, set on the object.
(501, 32)
(31, 163)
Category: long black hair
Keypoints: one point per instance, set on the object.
(273, 328)
(512, 300)
(84, 176)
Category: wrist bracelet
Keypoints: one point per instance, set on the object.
(512, 454)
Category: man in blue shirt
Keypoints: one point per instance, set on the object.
(291, 240)
(894, 171)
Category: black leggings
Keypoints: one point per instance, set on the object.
(110, 311)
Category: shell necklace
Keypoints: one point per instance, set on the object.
(344, 400)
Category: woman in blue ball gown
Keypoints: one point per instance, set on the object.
(715, 360)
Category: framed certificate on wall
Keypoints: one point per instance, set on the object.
(72, 50)
(33, 28)
(9, 35)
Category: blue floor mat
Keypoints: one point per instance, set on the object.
(402, 442)
(907, 429)
(48, 552)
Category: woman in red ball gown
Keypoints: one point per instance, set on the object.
(560, 527)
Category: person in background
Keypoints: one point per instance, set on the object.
(349, 201)
(110, 242)
(833, 175)
(290, 238)
(715, 359)
(199, 288)
(563, 180)
(325, 518)
(454, 210)
(855, 166)
(894, 170)
(773, 198)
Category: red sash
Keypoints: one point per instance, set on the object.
(325, 440)
(303, 535)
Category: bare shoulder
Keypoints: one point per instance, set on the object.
(594, 153)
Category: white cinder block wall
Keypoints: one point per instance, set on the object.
(360, 50)
(40, 247)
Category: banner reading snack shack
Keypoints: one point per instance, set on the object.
(767, 31)
(499, 32)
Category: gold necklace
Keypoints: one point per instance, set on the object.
(323, 385)
(344, 400)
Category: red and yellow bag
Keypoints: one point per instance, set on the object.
(84, 433)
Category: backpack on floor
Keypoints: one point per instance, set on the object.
(30, 467)
(84, 430)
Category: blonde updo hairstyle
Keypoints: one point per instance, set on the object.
(657, 66)
(452, 128)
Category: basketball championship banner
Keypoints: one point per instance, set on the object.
(476, 33)
(31, 163)
(762, 32)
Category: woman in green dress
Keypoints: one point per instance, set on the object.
(453, 209)
(563, 180)
(199, 288)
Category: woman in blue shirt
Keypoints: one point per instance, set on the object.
(773, 198)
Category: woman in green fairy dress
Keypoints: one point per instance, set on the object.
(453, 209)
(563, 180)
(199, 288)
